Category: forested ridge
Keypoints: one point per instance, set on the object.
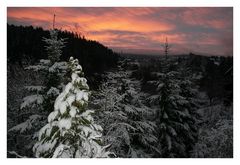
(25, 45)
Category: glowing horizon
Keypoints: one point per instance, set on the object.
(139, 30)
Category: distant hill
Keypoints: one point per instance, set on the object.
(25, 44)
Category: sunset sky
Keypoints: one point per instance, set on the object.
(140, 30)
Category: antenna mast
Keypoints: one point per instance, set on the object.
(54, 21)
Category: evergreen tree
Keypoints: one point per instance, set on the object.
(51, 71)
(175, 117)
(54, 46)
(36, 106)
(71, 130)
(124, 116)
(113, 117)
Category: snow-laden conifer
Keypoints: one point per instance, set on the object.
(51, 71)
(71, 130)
(175, 116)
(123, 116)
(41, 96)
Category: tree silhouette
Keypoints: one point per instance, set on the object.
(166, 48)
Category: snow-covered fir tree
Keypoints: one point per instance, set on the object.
(39, 103)
(123, 116)
(175, 116)
(71, 131)
(113, 118)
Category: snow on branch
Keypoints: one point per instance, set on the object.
(34, 88)
(53, 91)
(58, 66)
(36, 67)
(27, 125)
(45, 62)
(31, 100)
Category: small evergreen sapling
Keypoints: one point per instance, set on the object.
(54, 46)
(71, 130)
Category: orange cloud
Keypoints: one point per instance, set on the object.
(134, 28)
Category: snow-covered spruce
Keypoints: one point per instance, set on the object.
(52, 72)
(176, 116)
(71, 131)
(123, 116)
(40, 101)
(43, 96)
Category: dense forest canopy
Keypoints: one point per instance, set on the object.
(26, 43)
